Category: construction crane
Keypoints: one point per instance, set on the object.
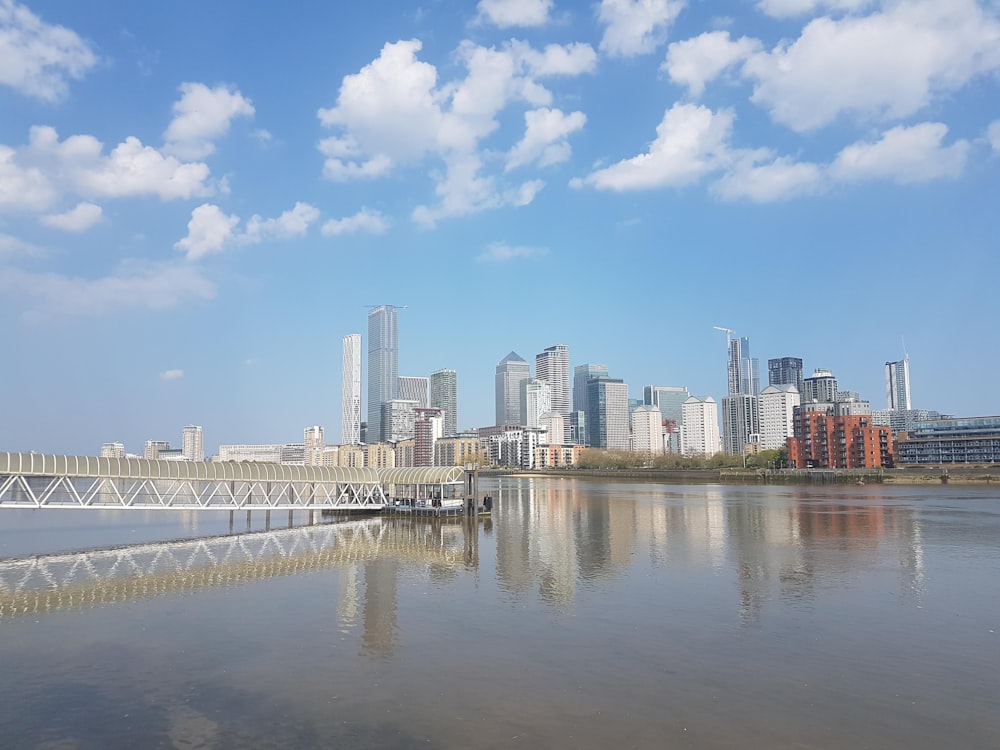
(729, 334)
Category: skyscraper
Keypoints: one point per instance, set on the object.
(581, 374)
(669, 399)
(192, 446)
(414, 388)
(552, 366)
(537, 401)
(444, 396)
(820, 388)
(785, 371)
(383, 366)
(897, 384)
(351, 390)
(740, 415)
(777, 410)
(744, 378)
(607, 413)
(701, 427)
(513, 373)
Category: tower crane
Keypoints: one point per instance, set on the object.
(729, 334)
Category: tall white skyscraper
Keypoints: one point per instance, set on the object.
(383, 366)
(351, 390)
(897, 384)
(700, 435)
(647, 430)
(413, 388)
(537, 401)
(777, 409)
(444, 396)
(192, 445)
(513, 372)
(552, 366)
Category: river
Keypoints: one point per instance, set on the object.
(581, 614)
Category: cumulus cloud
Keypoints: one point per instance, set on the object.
(292, 223)
(792, 8)
(201, 116)
(394, 113)
(78, 219)
(10, 245)
(365, 220)
(507, 13)
(500, 252)
(22, 188)
(777, 178)
(545, 137)
(134, 285)
(904, 155)
(691, 141)
(37, 58)
(209, 231)
(636, 27)
(172, 375)
(888, 64)
(694, 62)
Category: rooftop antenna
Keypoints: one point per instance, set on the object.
(906, 354)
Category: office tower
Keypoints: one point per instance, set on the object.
(578, 427)
(777, 412)
(192, 446)
(444, 396)
(428, 427)
(552, 366)
(581, 374)
(741, 420)
(669, 399)
(513, 373)
(607, 413)
(537, 401)
(701, 427)
(413, 388)
(153, 448)
(897, 384)
(647, 430)
(398, 417)
(785, 371)
(820, 388)
(312, 439)
(351, 390)
(113, 450)
(383, 367)
(555, 428)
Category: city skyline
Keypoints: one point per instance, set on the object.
(185, 225)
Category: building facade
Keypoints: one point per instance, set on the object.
(607, 414)
(113, 450)
(820, 388)
(966, 440)
(513, 372)
(383, 366)
(427, 430)
(785, 371)
(350, 391)
(897, 384)
(581, 374)
(192, 443)
(825, 440)
(700, 434)
(312, 439)
(444, 396)
(647, 430)
(552, 366)
(413, 388)
(777, 415)
(398, 418)
(537, 401)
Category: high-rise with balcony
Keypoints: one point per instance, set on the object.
(701, 427)
(537, 401)
(192, 443)
(444, 396)
(351, 390)
(740, 416)
(897, 384)
(785, 371)
(513, 373)
(552, 366)
(414, 388)
(383, 366)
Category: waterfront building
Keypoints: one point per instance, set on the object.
(554, 426)
(405, 452)
(113, 450)
(380, 455)
(776, 405)
(742, 369)
(428, 428)
(352, 456)
(581, 374)
(513, 372)
(557, 456)
(460, 450)
(825, 440)
(152, 449)
(786, 371)
(293, 454)
(820, 388)
(607, 413)
(444, 396)
(172, 454)
(669, 399)
(383, 366)
(965, 440)
(351, 390)
(700, 434)
(647, 430)
(537, 401)
(552, 366)
(330, 456)
(312, 438)
(741, 420)
(514, 446)
(897, 384)
(255, 453)
(192, 443)
(398, 418)
(412, 388)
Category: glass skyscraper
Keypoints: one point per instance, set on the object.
(512, 377)
(444, 396)
(383, 366)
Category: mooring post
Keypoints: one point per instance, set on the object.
(267, 520)
(290, 518)
(230, 522)
(248, 520)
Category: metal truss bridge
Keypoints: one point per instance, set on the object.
(44, 583)
(31, 480)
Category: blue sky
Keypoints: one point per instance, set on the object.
(199, 200)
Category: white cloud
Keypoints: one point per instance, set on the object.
(993, 136)
(507, 13)
(778, 179)
(135, 285)
(500, 252)
(209, 231)
(696, 61)
(172, 375)
(13, 246)
(904, 155)
(888, 64)
(365, 220)
(79, 219)
(556, 59)
(690, 141)
(22, 188)
(635, 27)
(292, 223)
(545, 136)
(792, 8)
(37, 58)
(202, 115)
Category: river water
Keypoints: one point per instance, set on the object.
(582, 614)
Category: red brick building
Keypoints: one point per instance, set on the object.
(824, 441)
